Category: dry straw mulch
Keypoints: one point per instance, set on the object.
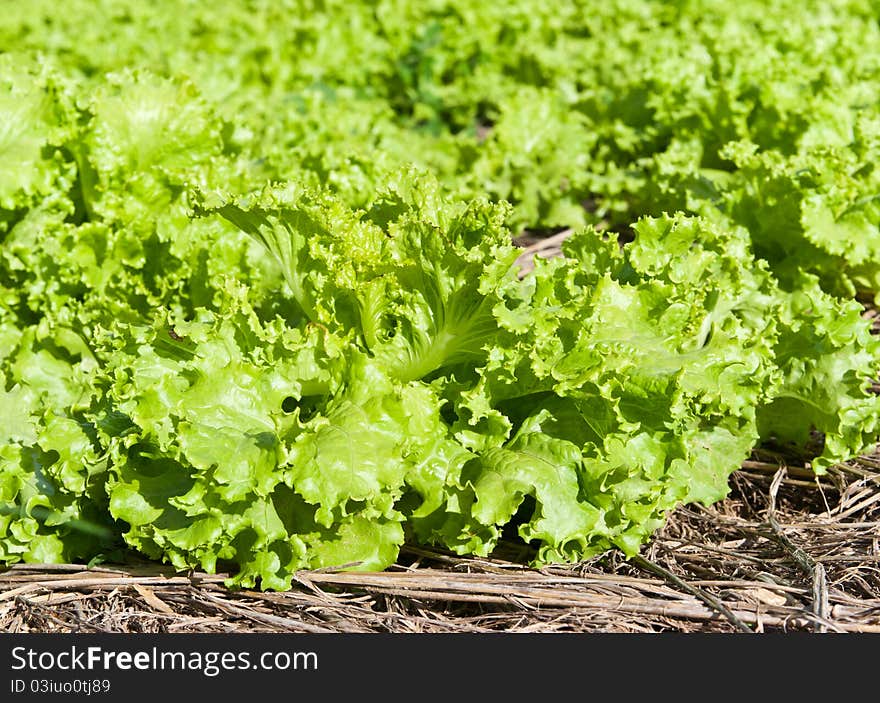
(786, 551)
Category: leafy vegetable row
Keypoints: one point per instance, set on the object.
(259, 304)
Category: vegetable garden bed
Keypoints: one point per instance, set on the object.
(263, 326)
